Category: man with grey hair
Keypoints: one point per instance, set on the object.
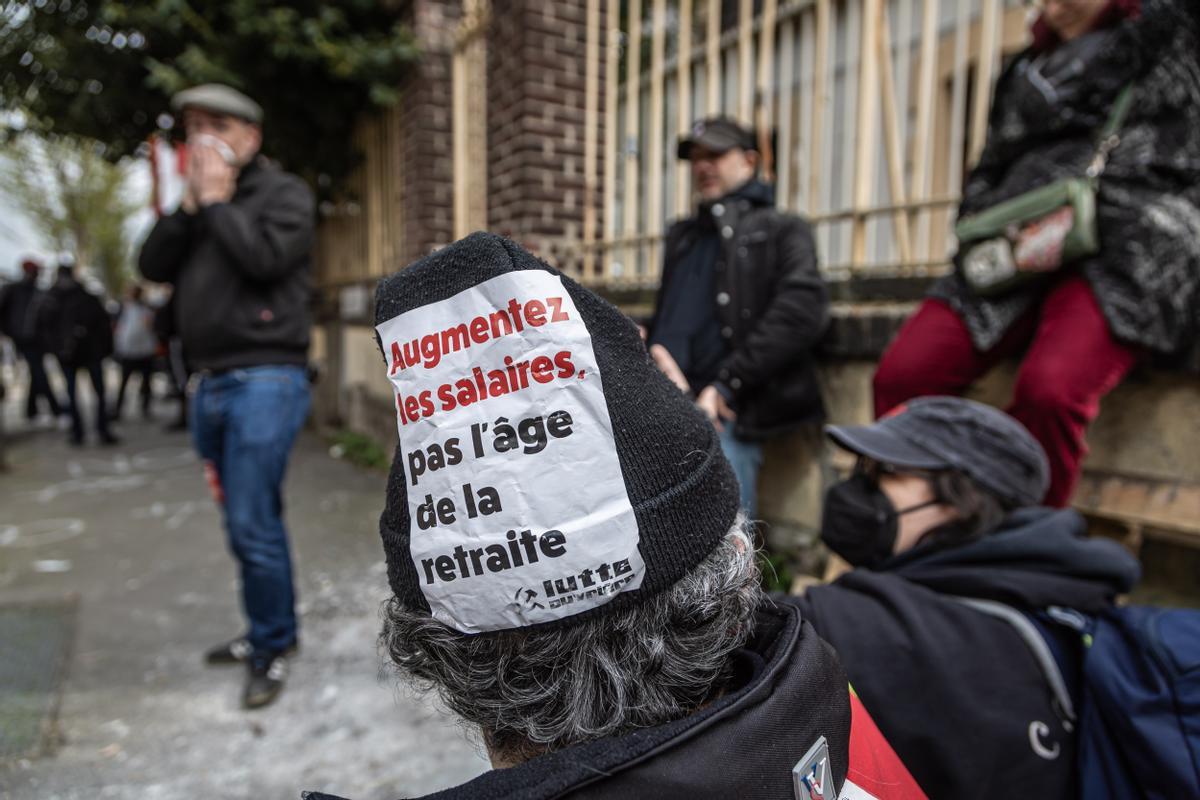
(569, 566)
(238, 252)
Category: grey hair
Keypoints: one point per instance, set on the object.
(539, 690)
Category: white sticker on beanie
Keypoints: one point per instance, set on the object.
(518, 509)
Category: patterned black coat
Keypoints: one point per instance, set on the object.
(1047, 110)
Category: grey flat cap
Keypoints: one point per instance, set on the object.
(220, 99)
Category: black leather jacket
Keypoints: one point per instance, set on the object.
(241, 271)
(772, 307)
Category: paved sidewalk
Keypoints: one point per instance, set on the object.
(132, 532)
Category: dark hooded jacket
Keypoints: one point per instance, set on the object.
(241, 271)
(957, 693)
(757, 270)
(1049, 105)
(74, 326)
(787, 691)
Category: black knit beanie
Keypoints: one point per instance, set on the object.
(521, 491)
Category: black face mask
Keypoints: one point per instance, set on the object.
(859, 522)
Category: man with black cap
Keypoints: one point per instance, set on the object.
(741, 303)
(951, 552)
(238, 254)
(569, 566)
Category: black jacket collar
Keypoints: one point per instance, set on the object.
(1039, 557)
(790, 691)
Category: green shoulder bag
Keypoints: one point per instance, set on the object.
(1025, 237)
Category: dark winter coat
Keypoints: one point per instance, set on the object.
(74, 326)
(1047, 110)
(958, 693)
(19, 304)
(242, 272)
(788, 691)
(771, 305)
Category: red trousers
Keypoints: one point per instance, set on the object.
(1072, 361)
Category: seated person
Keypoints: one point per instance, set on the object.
(1081, 329)
(603, 625)
(942, 505)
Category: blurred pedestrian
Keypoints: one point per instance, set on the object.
(1078, 327)
(135, 345)
(20, 304)
(78, 331)
(741, 303)
(176, 361)
(238, 254)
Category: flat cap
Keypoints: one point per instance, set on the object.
(717, 134)
(220, 99)
(939, 433)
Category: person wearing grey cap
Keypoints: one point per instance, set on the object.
(940, 518)
(238, 252)
(741, 303)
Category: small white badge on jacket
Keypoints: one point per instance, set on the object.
(812, 776)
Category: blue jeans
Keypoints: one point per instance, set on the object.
(746, 458)
(244, 423)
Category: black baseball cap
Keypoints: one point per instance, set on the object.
(941, 433)
(718, 134)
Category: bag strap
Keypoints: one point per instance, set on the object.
(1037, 648)
(1110, 135)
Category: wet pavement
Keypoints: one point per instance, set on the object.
(131, 532)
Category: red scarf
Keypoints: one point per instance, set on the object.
(1115, 11)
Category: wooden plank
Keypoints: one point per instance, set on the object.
(745, 85)
(786, 151)
(985, 68)
(802, 109)
(654, 198)
(612, 72)
(868, 107)
(922, 174)
(631, 147)
(458, 125)
(839, 150)
(820, 105)
(893, 146)
(958, 96)
(591, 115)
(683, 105)
(712, 57)
(764, 116)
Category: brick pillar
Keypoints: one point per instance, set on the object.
(427, 204)
(536, 74)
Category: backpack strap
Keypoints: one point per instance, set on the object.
(1037, 647)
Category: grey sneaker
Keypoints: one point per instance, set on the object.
(238, 651)
(232, 652)
(264, 680)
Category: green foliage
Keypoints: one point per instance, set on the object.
(105, 70)
(78, 201)
(361, 450)
(775, 570)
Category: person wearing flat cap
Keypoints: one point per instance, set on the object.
(741, 304)
(952, 556)
(569, 566)
(238, 252)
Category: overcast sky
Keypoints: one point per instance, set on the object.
(18, 240)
